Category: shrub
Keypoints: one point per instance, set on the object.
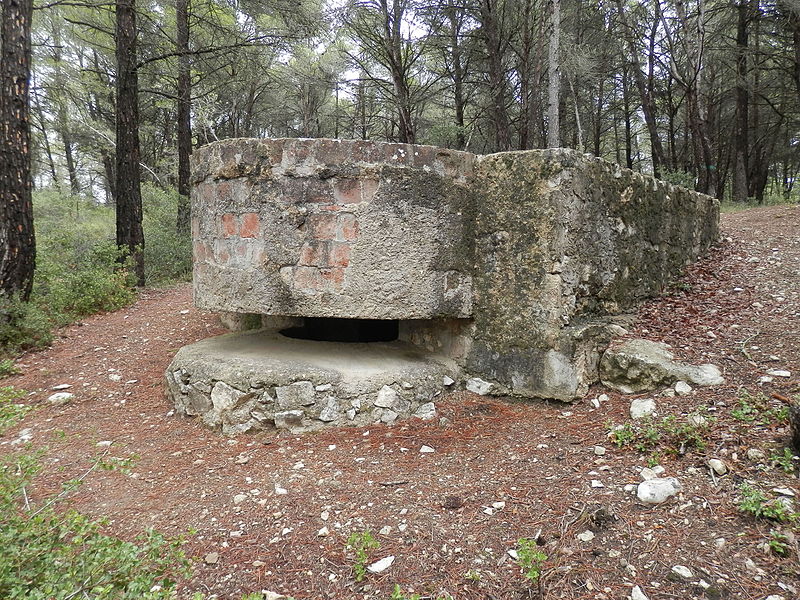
(167, 254)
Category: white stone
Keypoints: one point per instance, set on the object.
(586, 536)
(295, 395)
(642, 407)
(705, 375)
(104, 443)
(385, 530)
(498, 505)
(656, 491)
(782, 491)
(658, 469)
(594, 402)
(774, 597)
(682, 572)
(239, 498)
(115, 377)
(60, 398)
(602, 398)
(599, 450)
(779, 373)
(638, 594)
(697, 420)
(755, 455)
(476, 385)
(426, 449)
(426, 411)
(323, 532)
(388, 416)
(387, 397)
(716, 465)
(448, 381)
(279, 491)
(325, 387)
(330, 411)
(224, 397)
(268, 595)
(211, 558)
(647, 474)
(381, 565)
(406, 385)
(596, 483)
(682, 388)
(61, 387)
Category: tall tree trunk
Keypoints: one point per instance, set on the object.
(648, 106)
(495, 49)
(130, 235)
(455, 16)
(626, 108)
(740, 160)
(17, 243)
(554, 77)
(184, 125)
(61, 108)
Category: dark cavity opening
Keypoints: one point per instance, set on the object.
(324, 329)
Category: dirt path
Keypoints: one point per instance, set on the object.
(500, 471)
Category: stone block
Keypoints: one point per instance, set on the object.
(295, 395)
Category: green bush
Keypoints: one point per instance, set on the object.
(49, 554)
(167, 254)
(78, 269)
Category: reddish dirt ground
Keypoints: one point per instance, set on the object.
(739, 308)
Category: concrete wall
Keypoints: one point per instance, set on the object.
(332, 228)
(519, 266)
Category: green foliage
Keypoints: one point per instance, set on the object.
(397, 594)
(757, 410)
(670, 435)
(7, 368)
(11, 412)
(681, 178)
(783, 460)
(753, 502)
(167, 253)
(530, 559)
(779, 543)
(50, 554)
(360, 543)
(473, 575)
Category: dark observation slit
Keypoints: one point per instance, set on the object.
(325, 329)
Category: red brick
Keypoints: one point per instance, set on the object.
(322, 227)
(339, 255)
(313, 254)
(228, 225)
(250, 225)
(309, 278)
(334, 277)
(368, 189)
(347, 191)
(346, 227)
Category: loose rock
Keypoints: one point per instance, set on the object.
(381, 565)
(642, 407)
(638, 594)
(717, 466)
(60, 398)
(656, 491)
(476, 385)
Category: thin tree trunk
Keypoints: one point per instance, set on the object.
(554, 77)
(184, 125)
(458, 70)
(495, 46)
(740, 162)
(17, 242)
(648, 107)
(130, 235)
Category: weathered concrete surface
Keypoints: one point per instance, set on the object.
(565, 243)
(261, 380)
(330, 228)
(520, 267)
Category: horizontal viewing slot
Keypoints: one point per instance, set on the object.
(324, 329)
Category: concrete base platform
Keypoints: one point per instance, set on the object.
(262, 380)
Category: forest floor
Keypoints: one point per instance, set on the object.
(500, 470)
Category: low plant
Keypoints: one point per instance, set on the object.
(473, 575)
(397, 594)
(757, 409)
(360, 543)
(11, 411)
(754, 503)
(7, 368)
(783, 460)
(49, 552)
(530, 559)
(670, 435)
(779, 543)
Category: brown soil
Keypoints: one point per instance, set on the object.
(739, 309)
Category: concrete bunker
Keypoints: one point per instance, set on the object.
(380, 274)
